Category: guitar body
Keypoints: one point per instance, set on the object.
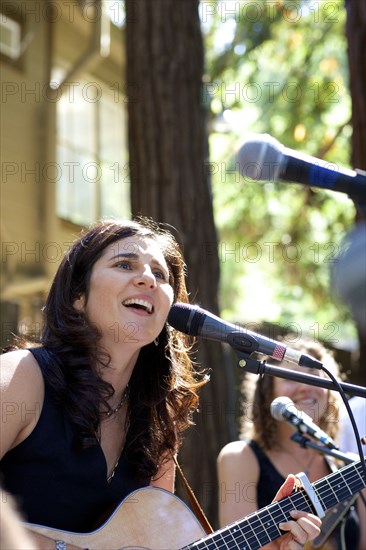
(147, 518)
(155, 519)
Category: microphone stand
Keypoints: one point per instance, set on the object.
(260, 367)
(305, 442)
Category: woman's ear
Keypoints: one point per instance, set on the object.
(79, 303)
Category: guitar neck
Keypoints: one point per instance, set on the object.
(260, 528)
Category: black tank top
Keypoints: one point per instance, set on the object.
(270, 480)
(55, 484)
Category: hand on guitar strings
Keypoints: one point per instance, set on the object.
(305, 526)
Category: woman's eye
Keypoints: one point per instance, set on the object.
(160, 275)
(124, 265)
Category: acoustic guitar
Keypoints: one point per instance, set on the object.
(156, 519)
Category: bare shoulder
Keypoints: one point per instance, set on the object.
(231, 451)
(22, 392)
(20, 369)
(238, 454)
(235, 450)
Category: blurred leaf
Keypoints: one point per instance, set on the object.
(291, 81)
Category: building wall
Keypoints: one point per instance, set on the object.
(33, 237)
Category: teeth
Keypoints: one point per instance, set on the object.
(138, 302)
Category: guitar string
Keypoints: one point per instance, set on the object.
(250, 541)
(262, 534)
(352, 479)
(353, 476)
(294, 502)
(351, 473)
(278, 514)
(248, 530)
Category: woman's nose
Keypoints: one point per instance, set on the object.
(146, 277)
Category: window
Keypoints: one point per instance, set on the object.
(10, 37)
(93, 178)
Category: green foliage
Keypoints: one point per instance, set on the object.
(279, 68)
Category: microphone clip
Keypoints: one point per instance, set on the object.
(247, 363)
(244, 343)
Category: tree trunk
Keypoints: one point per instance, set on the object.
(356, 36)
(168, 149)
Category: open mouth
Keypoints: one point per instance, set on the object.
(139, 304)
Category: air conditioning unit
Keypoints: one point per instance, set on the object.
(10, 37)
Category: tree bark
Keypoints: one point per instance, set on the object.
(170, 181)
(356, 36)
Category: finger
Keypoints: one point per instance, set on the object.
(308, 522)
(286, 489)
(314, 520)
(298, 534)
(306, 528)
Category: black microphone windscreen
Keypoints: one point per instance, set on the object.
(186, 318)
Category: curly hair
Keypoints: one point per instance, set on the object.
(163, 397)
(258, 393)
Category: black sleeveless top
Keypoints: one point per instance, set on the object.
(270, 480)
(55, 484)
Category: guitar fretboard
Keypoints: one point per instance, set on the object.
(260, 528)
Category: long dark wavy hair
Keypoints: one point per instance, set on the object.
(257, 393)
(163, 387)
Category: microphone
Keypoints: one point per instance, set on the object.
(348, 273)
(264, 158)
(194, 321)
(283, 408)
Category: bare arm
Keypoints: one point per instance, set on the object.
(12, 534)
(238, 474)
(165, 478)
(22, 394)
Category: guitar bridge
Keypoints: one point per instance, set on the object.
(307, 486)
